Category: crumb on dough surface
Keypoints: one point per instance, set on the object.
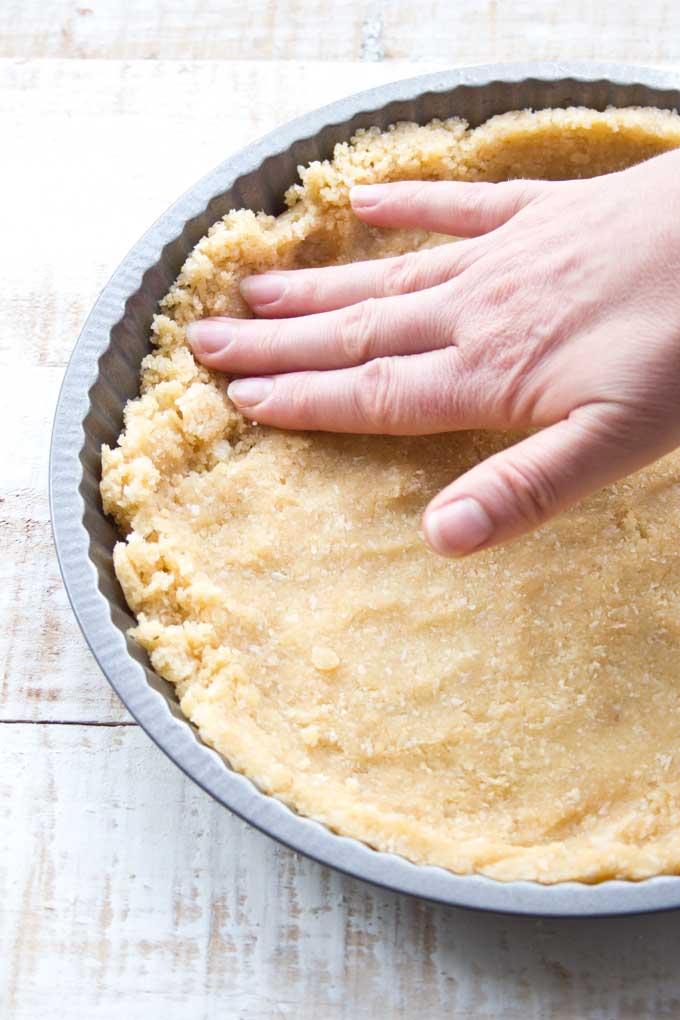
(517, 713)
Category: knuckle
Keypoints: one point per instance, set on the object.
(400, 275)
(451, 311)
(441, 315)
(301, 291)
(416, 195)
(356, 332)
(530, 490)
(517, 194)
(460, 256)
(470, 200)
(305, 398)
(517, 259)
(505, 286)
(375, 395)
(272, 341)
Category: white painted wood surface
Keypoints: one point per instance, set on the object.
(448, 31)
(124, 891)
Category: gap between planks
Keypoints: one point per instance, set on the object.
(64, 722)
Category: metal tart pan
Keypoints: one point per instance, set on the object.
(103, 373)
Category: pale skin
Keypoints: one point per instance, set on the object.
(559, 311)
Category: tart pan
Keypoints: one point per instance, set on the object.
(103, 373)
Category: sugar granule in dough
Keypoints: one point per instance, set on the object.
(517, 713)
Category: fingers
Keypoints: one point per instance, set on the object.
(304, 291)
(447, 207)
(349, 336)
(522, 487)
(389, 396)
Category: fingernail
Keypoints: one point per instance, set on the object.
(263, 290)
(458, 528)
(363, 196)
(206, 336)
(247, 392)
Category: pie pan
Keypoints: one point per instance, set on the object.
(103, 374)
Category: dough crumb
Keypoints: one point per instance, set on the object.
(325, 659)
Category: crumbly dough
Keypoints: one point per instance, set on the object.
(516, 713)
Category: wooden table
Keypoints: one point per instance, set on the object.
(125, 891)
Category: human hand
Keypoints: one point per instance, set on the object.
(560, 310)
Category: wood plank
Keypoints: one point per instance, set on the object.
(100, 148)
(468, 31)
(126, 891)
(47, 670)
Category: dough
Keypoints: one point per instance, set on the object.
(516, 713)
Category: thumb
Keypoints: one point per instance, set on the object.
(522, 487)
(456, 208)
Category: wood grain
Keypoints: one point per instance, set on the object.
(467, 31)
(127, 892)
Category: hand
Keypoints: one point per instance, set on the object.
(561, 310)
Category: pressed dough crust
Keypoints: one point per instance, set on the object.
(516, 713)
